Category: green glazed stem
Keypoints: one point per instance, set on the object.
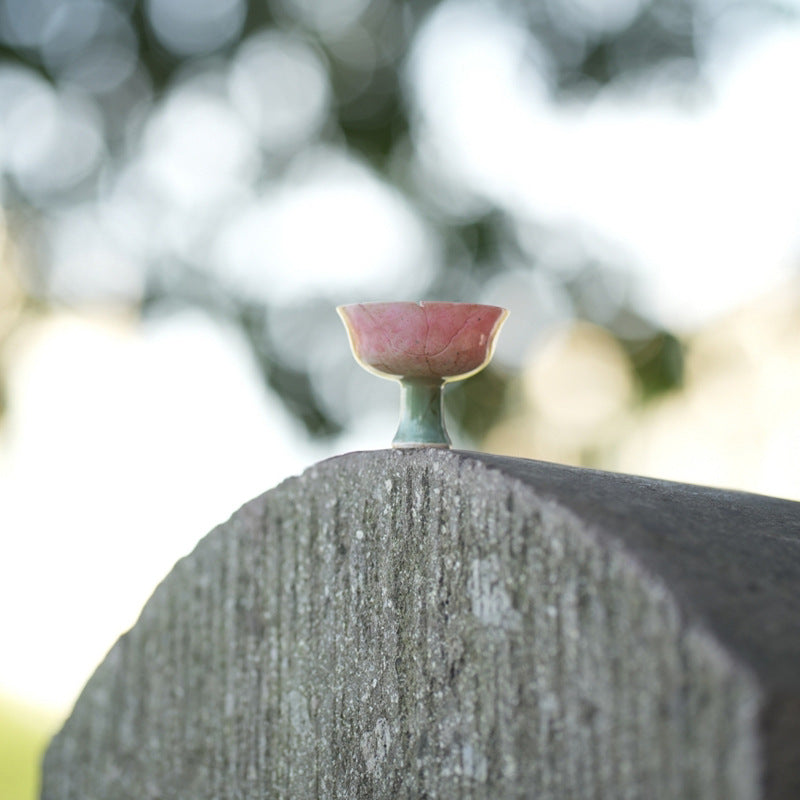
(421, 414)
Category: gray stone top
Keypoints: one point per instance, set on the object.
(408, 624)
(730, 559)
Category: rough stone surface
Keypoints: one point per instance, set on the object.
(452, 625)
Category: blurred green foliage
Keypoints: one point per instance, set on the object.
(24, 734)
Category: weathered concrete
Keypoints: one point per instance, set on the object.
(452, 625)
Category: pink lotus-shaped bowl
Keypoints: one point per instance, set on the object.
(432, 340)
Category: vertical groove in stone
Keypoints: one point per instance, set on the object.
(397, 625)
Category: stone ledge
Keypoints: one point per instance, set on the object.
(449, 624)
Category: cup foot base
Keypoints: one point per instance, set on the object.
(417, 445)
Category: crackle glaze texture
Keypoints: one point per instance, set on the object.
(422, 340)
(433, 624)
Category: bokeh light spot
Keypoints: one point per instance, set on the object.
(331, 16)
(592, 18)
(90, 43)
(22, 22)
(332, 228)
(279, 86)
(194, 27)
(49, 141)
(579, 381)
(196, 149)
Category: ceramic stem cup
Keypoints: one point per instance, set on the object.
(423, 346)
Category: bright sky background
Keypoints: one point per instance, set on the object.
(126, 443)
